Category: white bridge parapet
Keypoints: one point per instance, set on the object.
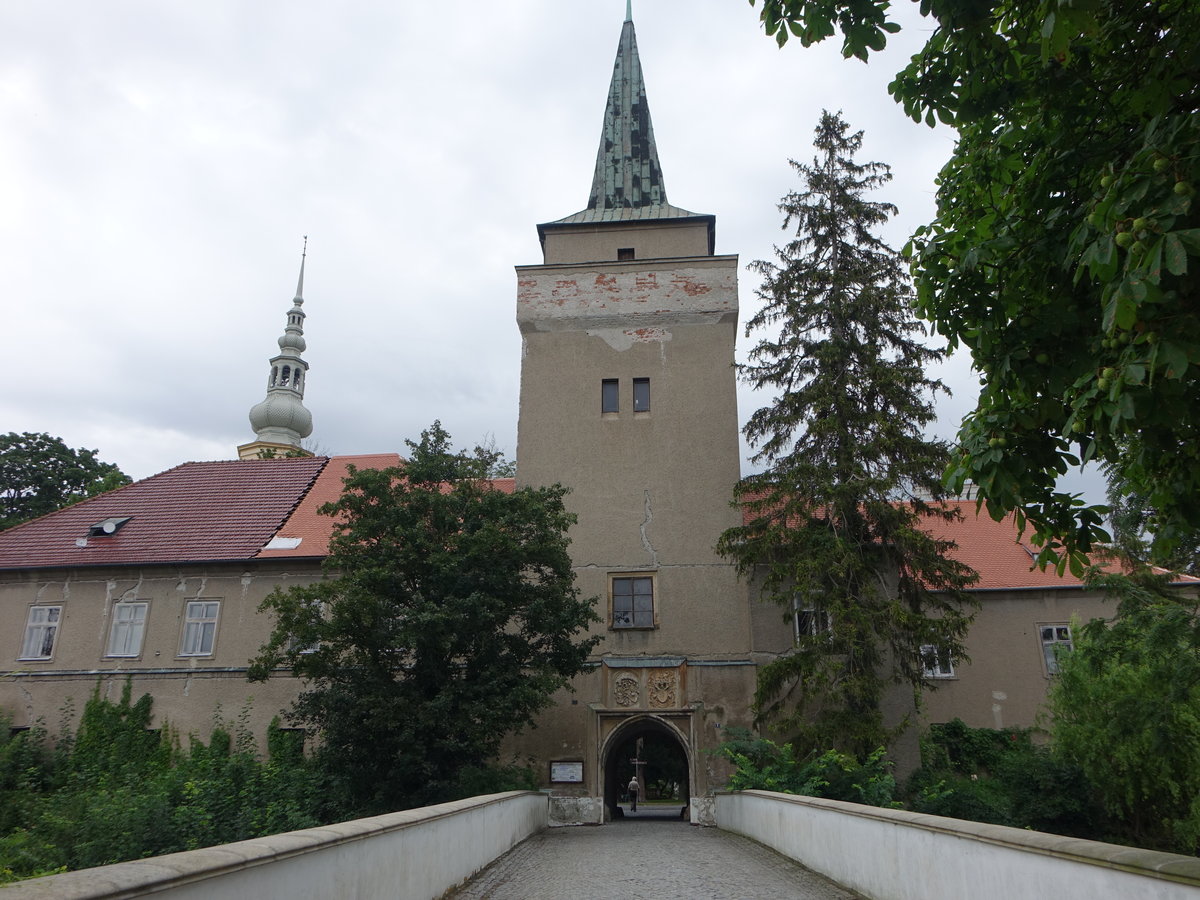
(411, 855)
(889, 854)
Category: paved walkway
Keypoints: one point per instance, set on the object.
(644, 859)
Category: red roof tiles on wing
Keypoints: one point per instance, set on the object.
(308, 526)
(196, 512)
(307, 532)
(1003, 559)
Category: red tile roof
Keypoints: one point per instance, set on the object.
(1003, 559)
(204, 512)
(312, 529)
(196, 512)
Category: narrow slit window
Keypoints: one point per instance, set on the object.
(609, 402)
(641, 395)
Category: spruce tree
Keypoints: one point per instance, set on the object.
(834, 522)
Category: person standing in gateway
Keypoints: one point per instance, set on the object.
(633, 794)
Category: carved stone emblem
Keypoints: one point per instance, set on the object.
(627, 690)
(664, 688)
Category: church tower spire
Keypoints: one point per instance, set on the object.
(281, 421)
(627, 183)
(628, 174)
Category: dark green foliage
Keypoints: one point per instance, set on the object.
(837, 515)
(1066, 244)
(116, 791)
(1126, 710)
(474, 781)
(449, 618)
(766, 766)
(39, 474)
(1133, 525)
(1001, 776)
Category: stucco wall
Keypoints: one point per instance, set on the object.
(420, 853)
(649, 239)
(188, 690)
(896, 855)
(1005, 681)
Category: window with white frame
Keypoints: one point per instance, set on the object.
(41, 630)
(1056, 639)
(937, 661)
(128, 626)
(810, 621)
(632, 601)
(199, 628)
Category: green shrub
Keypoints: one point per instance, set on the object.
(764, 765)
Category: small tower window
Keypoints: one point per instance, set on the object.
(641, 395)
(624, 254)
(287, 376)
(274, 375)
(609, 402)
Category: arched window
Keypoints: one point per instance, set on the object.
(274, 375)
(287, 376)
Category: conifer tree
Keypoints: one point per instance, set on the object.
(834, 522)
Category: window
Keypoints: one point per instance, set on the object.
(1056, 639)
(937, 662)
(811, 621)
(609, 402)
(40, 631)
(199, 628)
(641, 395)
(633, 601)
(128, 625)
(624, 254)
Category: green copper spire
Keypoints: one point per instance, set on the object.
(628, 181)
(627, 169)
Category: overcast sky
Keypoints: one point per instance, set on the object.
(160, 162)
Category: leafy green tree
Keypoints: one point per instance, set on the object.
(39, 474)
(1133, 521)
(448, 619)
(1126, 710)
(835, 526)
(1066, 243)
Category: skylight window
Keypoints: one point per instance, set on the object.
(108, 527)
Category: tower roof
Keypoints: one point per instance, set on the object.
(281, 420)
(628, 181)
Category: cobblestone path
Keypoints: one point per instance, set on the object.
(645, 860)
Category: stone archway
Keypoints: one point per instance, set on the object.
(614, 755)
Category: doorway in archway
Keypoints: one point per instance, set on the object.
(654, 752)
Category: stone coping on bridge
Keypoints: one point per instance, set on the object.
(417, 853)
(891, 854)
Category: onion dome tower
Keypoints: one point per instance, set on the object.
(281, 421)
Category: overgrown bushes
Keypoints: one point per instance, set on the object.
(978, 774)
(116, 790)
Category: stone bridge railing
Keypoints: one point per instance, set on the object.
(888, 854)
(420, 853)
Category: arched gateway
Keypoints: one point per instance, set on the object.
(659, 753)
